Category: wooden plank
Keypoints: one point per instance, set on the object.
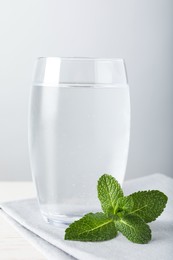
(12, 245)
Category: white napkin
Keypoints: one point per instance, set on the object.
(49, 240)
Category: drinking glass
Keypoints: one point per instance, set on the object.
(79, 128)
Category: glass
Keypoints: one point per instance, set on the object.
(79, 128)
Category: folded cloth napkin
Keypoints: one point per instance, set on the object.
(25, 215)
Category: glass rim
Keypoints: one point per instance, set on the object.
(82, 58)
(54, 70)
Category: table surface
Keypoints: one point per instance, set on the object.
(12, 245)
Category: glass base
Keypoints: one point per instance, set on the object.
(60, 220)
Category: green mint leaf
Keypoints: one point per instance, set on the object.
(124, 205)
(91, 227)
(148, 205)
(134, 229)
(109, 190)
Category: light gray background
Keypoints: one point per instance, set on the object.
(137, 30)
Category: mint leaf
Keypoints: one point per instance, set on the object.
(91, 227)
(134, 229)
(109, 190)
(148, 205)
(125, 204)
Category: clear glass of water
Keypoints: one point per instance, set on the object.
(79, 128)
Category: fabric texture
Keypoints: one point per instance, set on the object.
(26, 217)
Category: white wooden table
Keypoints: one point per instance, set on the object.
(12, 245)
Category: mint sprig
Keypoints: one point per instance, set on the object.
(126, 214)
